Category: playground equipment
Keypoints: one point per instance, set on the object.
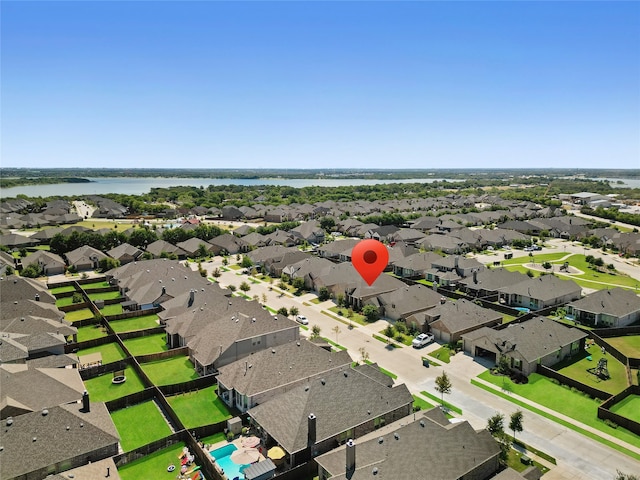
(601, 370)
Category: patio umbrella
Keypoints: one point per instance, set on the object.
(245, 456)
(276, 453)
(250, 442)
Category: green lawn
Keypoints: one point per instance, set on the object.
(90, 332)
(202, 407)
(89, 286)
(629, 344)
(423, 404)
(115, 309)
(140, 424)
(629, 407)
(111, 352)
(82, 314)
(515, 462)
(386, 340)
(170, 371)
(561, 399)
(133, 324)
(102, 390)
(342, 313)
(442, 354)
(235, 267)
(577, 368)
(65, 301)
(507, 318)
(65, 289)
(213, 439)
(154, 465)
(538, 258)
(147, 344)
(445, 403)
(104, 296)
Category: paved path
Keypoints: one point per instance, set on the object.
(578, 457)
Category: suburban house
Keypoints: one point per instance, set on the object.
(486, 283)
(276, 265)
(51, 263)
(161, 248)
(254, 380)
(617, 307)
(541, 292)
(401, 303)
(527, 344)
(307, 269)
(448, 321)
(333, 250)
(310, 232)
(26, 389)
(221, 333)
(443, 243)
(305, 421)
(415, 266)
(358, 293)
(439, 450)
(228, 244)
(85, 258)
(192, 245)
(56, 439)
(125, 253)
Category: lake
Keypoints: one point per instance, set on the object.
(140, 185)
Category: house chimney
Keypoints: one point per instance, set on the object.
(192, 296)
(351, 457)
(475, 276)
(85, 402)
(311, 435)
(456, 259)
(37, 297)
(164, 290)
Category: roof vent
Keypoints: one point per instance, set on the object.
(422, 423)
(68, 428)
(380, 440)
(273, 350)
(9, 421)
(45, 412)
(81, 425)
(375, 470)
(185, 277)
(298, 343)
(306, 389)
(346, 374)
(323, 381)
(34, 439)
(396, 436)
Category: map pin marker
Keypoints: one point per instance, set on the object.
(369, 258)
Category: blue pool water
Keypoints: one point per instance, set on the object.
(523, 309)
(231, 469)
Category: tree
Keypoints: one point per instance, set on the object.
(625, 476)
(283, 311)
(364, 354)
(232, 288)
(77, 298)
(264, 298)
(323, 294)
(202, 251)
(504, 442)
(108, 263)
(33, 270)
(216, 272)
(315, 332)
(443, 385)
(337, 331)
(529, 273)
(547, 266)
(503, 365)
(245, 287)
(371, 313)
(495, 424)
(298, 283)
(246, 262)
(340, 299)
(293, 311)
(389, 332)
(515, 422)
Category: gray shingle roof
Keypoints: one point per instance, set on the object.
(544, 288)
(63, 433)
(617, 302)
(340, 401)
(281, 365)
(423, 448)
(453, 317)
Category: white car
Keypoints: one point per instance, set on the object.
(302, 319)
(422, 340)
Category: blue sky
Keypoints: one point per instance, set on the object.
(321, 84)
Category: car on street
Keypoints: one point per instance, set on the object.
(422, 340)
(302, 319)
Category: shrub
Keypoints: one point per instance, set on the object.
(610, 423)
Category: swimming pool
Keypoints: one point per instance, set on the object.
(523, 309)
(231, 469)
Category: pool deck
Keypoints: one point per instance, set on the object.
(237, 442)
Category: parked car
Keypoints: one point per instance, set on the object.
(422, 340)
(302, 319)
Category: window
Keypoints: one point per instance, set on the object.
(517, 363)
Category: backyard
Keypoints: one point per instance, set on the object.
(91, 332)
(202, 407)
(111, 352)
(77, 315)
(147, 344)
(628, 407)
(65, 301)
(152, 466)
(578, 368)
(101, 389)
(104, 296)
(65, 289)
(108, 310)
(90, 286)
(628, 345)
(133, 324)
(171, 370)
(128, 423)
(561, 399)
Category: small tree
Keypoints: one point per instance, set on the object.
(371, 313)
(340, 299)
(293, 311)
(515, 422)
(225, 261)
(625, 476)
(503, 365)
(389, 332)
(216, 272)
(246, 262)
(364, 354)
(547, 266)
(202, 251)
(264, 298)
(495, 424)
(323, 294)
(232, 288)
(504, 442)
(245, 287)
(77, 298)
(315, 332)
(529, 273)
(337, 331)
(443, 385)
(283, 311)
(108, 263)
(298, 283)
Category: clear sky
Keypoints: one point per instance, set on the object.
(320, 84)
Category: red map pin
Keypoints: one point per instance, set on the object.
(369, 258)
